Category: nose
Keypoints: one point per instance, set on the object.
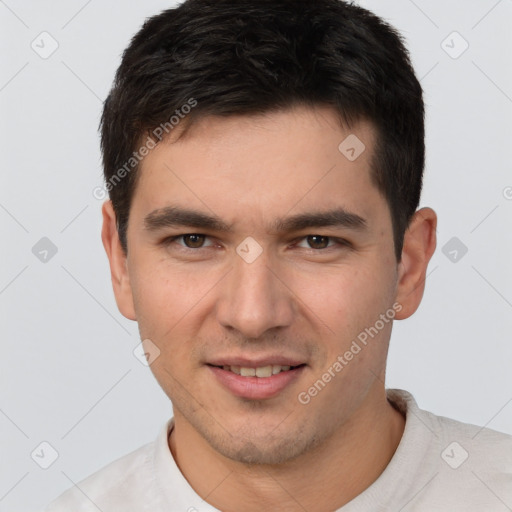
(255, 298)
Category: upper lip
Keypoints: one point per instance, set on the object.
(256, 363)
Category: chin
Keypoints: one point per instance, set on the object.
(262, 449)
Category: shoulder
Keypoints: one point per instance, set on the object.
(481, 443)
(484, 448)
(475, 465)
(461, 462)
(117, 486)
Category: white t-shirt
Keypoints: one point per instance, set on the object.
(440, 465)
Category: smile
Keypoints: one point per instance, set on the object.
(256, 383)
(262, 371)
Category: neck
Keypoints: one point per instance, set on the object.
(323, 479)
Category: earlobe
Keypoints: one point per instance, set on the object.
(117, 261)
(419, 246)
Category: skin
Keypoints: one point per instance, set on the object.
(297, 299)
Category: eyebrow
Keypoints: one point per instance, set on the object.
(172, 216)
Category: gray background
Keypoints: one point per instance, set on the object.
(68, 375)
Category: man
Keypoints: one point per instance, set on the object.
(264, 162)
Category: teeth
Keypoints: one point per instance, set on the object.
(262, 371)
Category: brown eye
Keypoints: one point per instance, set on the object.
(318, 241)
(194, 241)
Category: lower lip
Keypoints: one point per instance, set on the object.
(256, 388)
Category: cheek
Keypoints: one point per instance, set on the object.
(171, 306)
(351, 300)
(165, 315)
(164, 294)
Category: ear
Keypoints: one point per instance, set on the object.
(419, 246)
(118, 262)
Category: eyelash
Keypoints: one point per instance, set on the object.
(340, 241)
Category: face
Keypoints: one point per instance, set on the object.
(256, 245)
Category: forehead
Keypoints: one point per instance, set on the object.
(261, 166)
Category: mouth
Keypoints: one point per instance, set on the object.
(260, 372)
(256, 382)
